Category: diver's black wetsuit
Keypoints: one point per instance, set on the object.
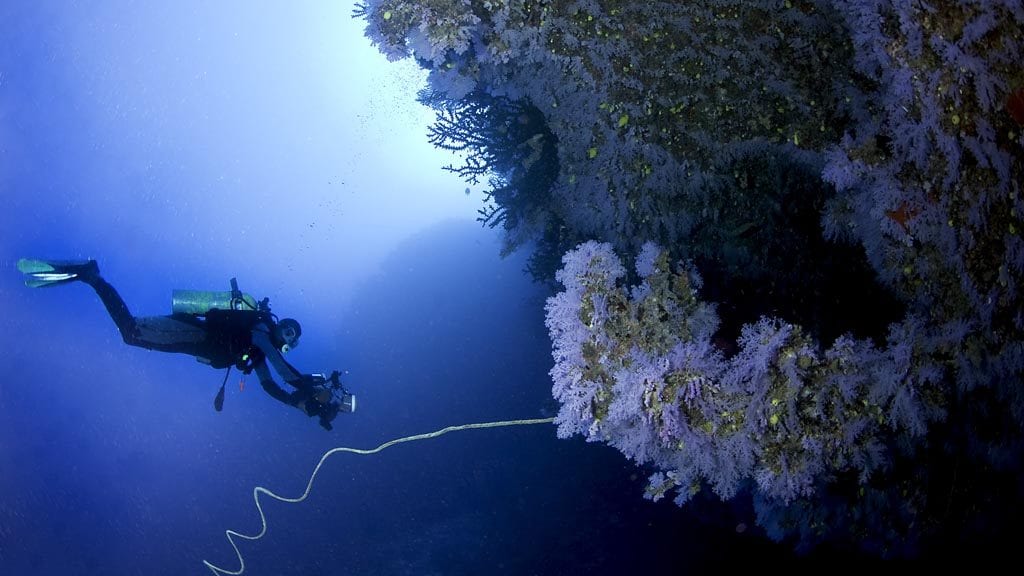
(221, 339)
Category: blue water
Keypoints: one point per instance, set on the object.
(116, 463)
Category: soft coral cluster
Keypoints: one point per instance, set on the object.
(636, 367)
(719, 129)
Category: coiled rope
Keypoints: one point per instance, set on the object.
(231, 534)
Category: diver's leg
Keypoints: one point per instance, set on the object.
(46, 273)
(164, 333)
(172, 334)
(116, 307)
(41, 274)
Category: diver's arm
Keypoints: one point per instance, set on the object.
(298, 398)
(261, 338)
(271, 387)
(303, 396)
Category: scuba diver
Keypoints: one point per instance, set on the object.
(221, 329)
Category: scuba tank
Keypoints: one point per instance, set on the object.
(199, 302)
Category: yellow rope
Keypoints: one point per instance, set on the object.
(309, 486)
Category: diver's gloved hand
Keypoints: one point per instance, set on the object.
(327, 415)
(321, 404)
(311, 407)
(310, 400)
